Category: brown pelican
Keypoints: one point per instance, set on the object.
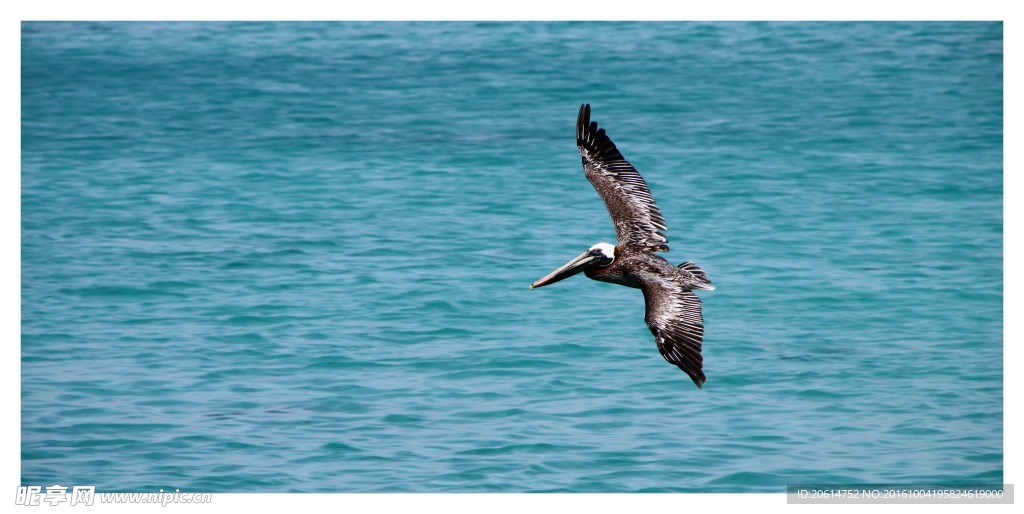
(673, 310)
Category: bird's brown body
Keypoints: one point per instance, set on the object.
(633, 268)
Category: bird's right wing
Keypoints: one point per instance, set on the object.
(674, 317)
(638, 222)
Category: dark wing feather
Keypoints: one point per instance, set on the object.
(674, 317)
(638, 222)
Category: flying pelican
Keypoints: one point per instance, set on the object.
(673, 310)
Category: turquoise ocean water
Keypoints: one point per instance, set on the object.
(296, 257)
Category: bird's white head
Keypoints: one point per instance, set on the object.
(597, 256)
(607, 250)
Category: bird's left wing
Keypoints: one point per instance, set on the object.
(674, 317)
(638, 222)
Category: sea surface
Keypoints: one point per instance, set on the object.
(295, 257)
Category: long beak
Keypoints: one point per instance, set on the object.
(567, 270)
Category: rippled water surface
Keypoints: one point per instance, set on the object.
(295, 257)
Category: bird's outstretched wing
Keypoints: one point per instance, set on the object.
(674, 317)
(638, 222)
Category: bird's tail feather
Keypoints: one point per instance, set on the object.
(699, 274)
